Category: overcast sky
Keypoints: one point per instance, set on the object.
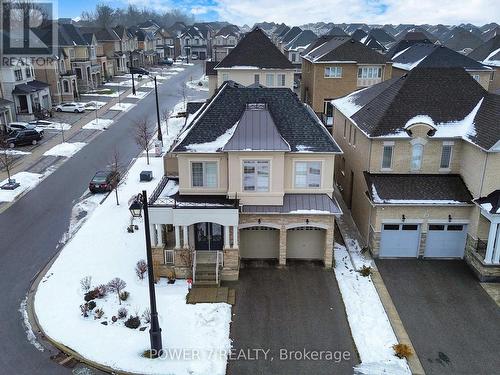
(297, 12)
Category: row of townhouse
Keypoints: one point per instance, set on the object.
(417, 145)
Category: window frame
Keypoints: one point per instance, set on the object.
(391, 160)
(204, 174)
(417, 146)
(337, 69)
(18, 75)
(307, 174)
(270, 79)
(256, 161)
(368, 69)
(281, 80)
(450, 146)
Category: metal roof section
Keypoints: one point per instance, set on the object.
(299, 204)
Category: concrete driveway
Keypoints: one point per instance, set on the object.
(453, 323)
(293, 309)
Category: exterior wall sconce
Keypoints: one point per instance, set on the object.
(403, 218)
(307, 221)
(449, 219)
(259, 221)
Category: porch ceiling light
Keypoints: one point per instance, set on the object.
(136, 208)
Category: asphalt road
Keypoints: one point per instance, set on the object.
(281, 314)
(31, 228)
(452, 322)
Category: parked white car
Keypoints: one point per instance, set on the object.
(16, 126)
(71, 107)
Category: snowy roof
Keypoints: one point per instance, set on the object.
(449, 100)
(299, 204)
(217, 121)
(434, 56)
(490, 203)
(301, 41)
(488, 52)
(255, 50)
(436, 189)
(337, 48)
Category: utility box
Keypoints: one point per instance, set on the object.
(146, 176)
(158, 148)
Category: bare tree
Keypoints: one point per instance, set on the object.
(7, 158)
(117, 285)
(165, 115)
(116, 172)
(141, 268)
(143, 134)
(183, 93)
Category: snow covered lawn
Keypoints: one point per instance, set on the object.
(103, 249)
(122, 107)
(370, 327)
(198, 84)
(99, 124)
(27, 180)
(139, 94)
(65, 149)
(93, 105)
(102, 93)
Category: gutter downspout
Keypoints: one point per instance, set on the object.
(371, 204)
(483, 175)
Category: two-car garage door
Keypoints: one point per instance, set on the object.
(403, 240)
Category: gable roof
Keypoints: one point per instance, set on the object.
(490, 203)
(359, 34)
(402, 45)
(381, 36)
(192, 32)
(458, 39)
(337, 31)
(256, 131)
(102, 34)
(227, 31)
(343, 49)
(488, 52)
(255, 50)
(290, 34)
(70, 35)
(218, 119)
(448, 99)
(303, 40)
(434, 56)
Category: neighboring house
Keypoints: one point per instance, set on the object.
(109, 51)
(297, 45)
(405, 43)
(436, 56)
(6, 110)
(149, 26)
(208, 33)
(147, 44)
(211, 73)
(192, 42)
(336, 66)
(128, 53)
(282, 41)
(488, 54)
(31, 97)
(224, 41)
(249, 178)
(165, 44)
(279, 33)
(255, 60)
(461, 40)
(421, 162)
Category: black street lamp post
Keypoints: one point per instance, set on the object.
(155, 330)
(160, 135)
(131, 70)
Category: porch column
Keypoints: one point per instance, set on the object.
(329, 248)
(282, 259)
(177, 237)
(235, 237)
(226, 237)
(491, 243)
(29, 103)
(152, 229)
(496, 252)
(159, 237)
(185, 241)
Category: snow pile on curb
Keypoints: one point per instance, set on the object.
(27, 325)
(139, 95)
(198, 84)
(99, 124)
(370, 327)
(27, 181)
(122, 107)
(65, 149)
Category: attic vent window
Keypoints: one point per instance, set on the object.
(256, 106)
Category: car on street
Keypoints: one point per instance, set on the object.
(23, 137)
(24, 126)
(41, 123)
(194, 57)
(140, 71)
(103, 181)
(70, 107)
(167, 61)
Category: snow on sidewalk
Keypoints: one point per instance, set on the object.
(103, 249)
(65, 149)
(122, 107)
(139, 95)
(198, 84)
(370, 327)
(98, 124)
(27, 181)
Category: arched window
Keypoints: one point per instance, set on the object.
(417, 154)
(65, 86)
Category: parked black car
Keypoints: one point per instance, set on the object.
(103, 181)
(23, 137)
(140, 71)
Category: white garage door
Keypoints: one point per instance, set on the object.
(399, 240)
(259, 243)
(305, 243)
(445, 241)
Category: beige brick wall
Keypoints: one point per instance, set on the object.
(472, 167)
(495, 80)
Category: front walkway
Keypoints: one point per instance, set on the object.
(295, 308)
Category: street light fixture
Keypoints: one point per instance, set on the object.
(155, 331)
(160, 135)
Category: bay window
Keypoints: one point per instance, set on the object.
(204, 174)
(307, 174)
(256, 175)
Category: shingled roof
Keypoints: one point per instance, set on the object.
(303, 40)
(342, 49)
(437, 189)
(449, 99)
(488, 52)
(218, 119)
(434, 56)
(255, 50)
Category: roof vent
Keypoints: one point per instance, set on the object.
(256, 106)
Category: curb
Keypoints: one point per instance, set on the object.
(396, 323)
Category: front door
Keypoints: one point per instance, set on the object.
(209, 236)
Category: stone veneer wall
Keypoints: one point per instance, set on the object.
(484, 272)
